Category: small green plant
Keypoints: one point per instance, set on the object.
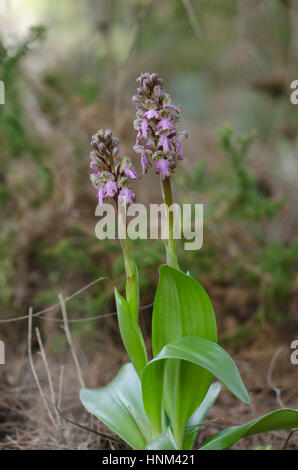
(162, 403)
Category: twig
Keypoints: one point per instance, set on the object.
(34, 370)
(73, 350)
(269, 377)
(48, 309)
(288, 438)
(70, 320)
(192, 18)
(95, 317)
(46, 364)
(60, 389)
(101, 434)
(70, 342)
(47, 368)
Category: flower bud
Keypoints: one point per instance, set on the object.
(155, 122)
(157, 91)
(108, 135)
(110, 174)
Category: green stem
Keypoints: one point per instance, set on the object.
(166, 190)
(128, 309)
(132, 281)
(128, 260)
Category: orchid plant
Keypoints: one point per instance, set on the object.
(162, 403)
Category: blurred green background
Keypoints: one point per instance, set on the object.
(69, 68)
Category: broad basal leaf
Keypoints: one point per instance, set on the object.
(181, 308)
(206, 355)
(165, 441)
(194, 424)
(279, 419)
(119, 406)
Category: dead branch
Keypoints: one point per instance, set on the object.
(70, 341)
(34, 370)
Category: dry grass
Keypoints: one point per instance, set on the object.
(25, 422)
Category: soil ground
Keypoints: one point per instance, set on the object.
(263, 361)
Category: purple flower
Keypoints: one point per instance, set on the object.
(145, 163)
(110, 174)
(139, 137)
(144, 129)
(130, 173)
(94, 166)
(110, 188)
(156, 119)
(150, 143)
(174, 108)
(163, 167)
(171, 161)
(179, 149)
(128, 194)
(165, 124)
(152, 113)
(164, 143)
(157, 91)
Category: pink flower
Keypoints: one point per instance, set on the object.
(130, 173)
(94, 166)
(110, 188)
(163, 167)
(179, 149)
(145, 164)
(164, 143)
(144, 128)
(174, 108)
(152, 113)
(110, 172)
(139, 137)
(165, 124)
(156, 120)
(128, 194)
(171, 161)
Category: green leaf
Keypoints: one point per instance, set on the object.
(194, 424)
(119, 406)
(280, 419)
(165, 441)
(131, 335)
(206, 355)
(181, 308)
(132, 294)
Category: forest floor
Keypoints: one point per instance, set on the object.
(263, 361)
